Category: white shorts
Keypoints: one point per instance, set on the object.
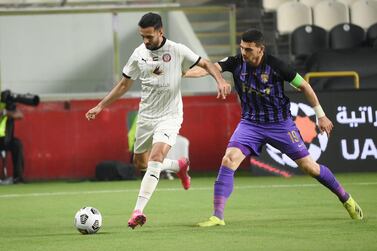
(149, 132)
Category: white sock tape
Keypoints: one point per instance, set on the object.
(319, 111)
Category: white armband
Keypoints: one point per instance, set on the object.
(319, 111)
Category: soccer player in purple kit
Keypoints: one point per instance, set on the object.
(266, 118)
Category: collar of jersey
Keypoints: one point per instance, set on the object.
(162, 44)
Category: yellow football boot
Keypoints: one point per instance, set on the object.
(353, 209)
(213, 221)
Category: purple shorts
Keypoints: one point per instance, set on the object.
(250, 137)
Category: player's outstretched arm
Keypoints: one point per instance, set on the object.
(324, 123)
(119, 89)
(223, 87)
(196, 72)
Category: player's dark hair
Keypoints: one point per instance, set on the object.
(252, 35)
(151, 20)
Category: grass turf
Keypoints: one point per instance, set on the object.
(269, 213)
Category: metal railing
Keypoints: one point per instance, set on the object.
(325, 74)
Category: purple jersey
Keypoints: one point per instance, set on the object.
(261, 89)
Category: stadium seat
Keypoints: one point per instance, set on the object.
(364, 13)
(291, 15)
(329, 13)
(310, 3)
(273, 5)
(346, 36)
(362, 60)
(372, 34)
(347, 2)
(306, 40)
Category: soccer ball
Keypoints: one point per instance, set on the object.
(88, 220)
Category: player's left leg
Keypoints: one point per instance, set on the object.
(286, 137)
(140, 160)
(167, 131)
(181, 168)
(327, 178)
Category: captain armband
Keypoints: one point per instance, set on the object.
(297, 81)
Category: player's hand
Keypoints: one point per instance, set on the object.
(223, 89)
(325, 125)
(92, 113)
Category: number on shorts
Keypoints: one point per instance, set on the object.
(293, 136)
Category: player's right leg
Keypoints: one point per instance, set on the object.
(246, 140)
(224, 186)
(149, 183)
(137, 219)
(147, 187)
(142, 146)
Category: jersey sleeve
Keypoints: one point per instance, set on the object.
(227, 64)
(285, 70)
(190, 59)
(131, 69)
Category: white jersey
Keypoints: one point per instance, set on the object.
(160, 72)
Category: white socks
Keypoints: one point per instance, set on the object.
(148, 184)
(151, 178)
(170, 165)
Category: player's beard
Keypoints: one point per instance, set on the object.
(151, 46)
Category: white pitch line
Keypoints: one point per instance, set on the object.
(5, 196)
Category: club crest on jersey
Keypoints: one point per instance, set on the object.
(166, 57)
(264, 78)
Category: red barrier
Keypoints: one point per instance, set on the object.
(59, 143)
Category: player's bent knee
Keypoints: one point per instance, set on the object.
(228, 162)
(311, 168)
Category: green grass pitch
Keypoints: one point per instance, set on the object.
(263, 213)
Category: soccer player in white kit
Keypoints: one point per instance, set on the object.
(159, 63)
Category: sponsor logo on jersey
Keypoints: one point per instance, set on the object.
(264, 77)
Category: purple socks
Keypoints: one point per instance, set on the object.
(225, 182)
(223, 188)
(326, 178)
